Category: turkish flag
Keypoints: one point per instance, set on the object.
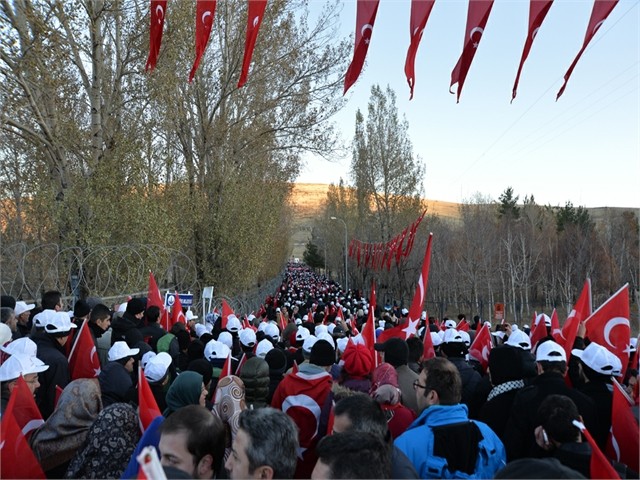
(154, 298)
(412, 236)
(624, 443)
(294, 368)
(369, 329)
(463, 325)
(18, 460)
(25, 411)
(147, 402)
(83, 359)
(254, 19)
(284, 322)
(204, 22)
(421, 288)
(538, 10)
(403, 331)
(242, 361)
(609, 326)
(477, 17)
(599, 466)
(366, 11)
(399, 245)
(538, 333)
(580, 312)
(158, 11)
(420, 11)
(177, 315)
(165, 320)
(226, 368)
(481, 346)
(600, 12)
(555, 324)
(226, 311)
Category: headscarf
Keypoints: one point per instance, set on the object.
(65, 431)
(110, 443)
(384, 385)
(185, 390)
(228, 404)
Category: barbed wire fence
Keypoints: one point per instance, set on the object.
(109, 272)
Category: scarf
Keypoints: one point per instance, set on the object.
(185, 390)
(65, 431)
(505, 387)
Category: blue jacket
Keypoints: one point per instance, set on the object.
(417, 444)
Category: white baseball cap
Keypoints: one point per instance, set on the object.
(226, 338)
(247, 337)
(233, 324)
(331, 327)
(59, 322)
(321, 329)
(44, 317)
(519, 339)
(21, 346)
(451, 335)
(264, 347)
(18, 364)
(550, 351)
(120, 350)
(309, 342)
(5, 333)
(599, 359)
(200, 330)
(450, 324)
(215, 350)
(302, 334)
(190, 315)
(157, 367)
(22, 307)
(404, 311)
(271, 330)
(435, 339)
(146, 358)
(342, 343)
(545, 317)
(466, 338)
(326, 336)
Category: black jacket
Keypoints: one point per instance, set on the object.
(126, 328)
(519, 439)
(154, 332)
(602, 397)
(116, 384)
(51, 353)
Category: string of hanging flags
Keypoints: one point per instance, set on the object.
(366, 11)
(376, 256)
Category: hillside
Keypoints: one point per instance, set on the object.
(308, 199)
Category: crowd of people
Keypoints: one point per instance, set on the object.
(295, 391)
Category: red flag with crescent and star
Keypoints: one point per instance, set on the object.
(154, 298)
(421, 288)
(600, 12)
(25, 411)
(254, 19)
(538, 10)
(623, 444)
(158, 12)
(83, 359)
(177, 315)
(609, 326)
(580, 312)
(205, 10)
(481, 347)
(366, 11)
(599, 467)
(477, 17)
(18, 460)
(420, 11)
(226, 311)
(148, 407)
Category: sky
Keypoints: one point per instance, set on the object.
(583, 149)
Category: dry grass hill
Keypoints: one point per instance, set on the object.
(308, 199)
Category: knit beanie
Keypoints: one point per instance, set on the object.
(358, 360)
(322, 354)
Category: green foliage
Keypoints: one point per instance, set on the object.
(312, 256)
(508, 206)
(569, 215)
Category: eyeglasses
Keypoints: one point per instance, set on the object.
(416, 385)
